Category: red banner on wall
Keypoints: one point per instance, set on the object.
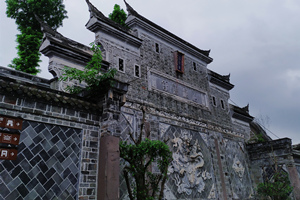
(9, 122)
(8, 154)
(9, 138)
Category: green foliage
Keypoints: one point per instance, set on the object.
(140, 156)
(28, 51)
(118, 15)
(50, 11)
(260, 138)
(97, 81)
(277, 187)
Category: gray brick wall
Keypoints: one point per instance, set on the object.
(47, 166)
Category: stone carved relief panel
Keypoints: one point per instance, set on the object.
(191, 171)
(238, 167)
(238, 172)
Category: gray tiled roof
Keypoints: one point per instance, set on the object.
(94, 12)
(131, 11)
(25, 85)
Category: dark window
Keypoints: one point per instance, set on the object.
(195, 66)
(121, 64)
(214, 101)
(157, 47)
(179, 62)
(137, 71)
(222, 104)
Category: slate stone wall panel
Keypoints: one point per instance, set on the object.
(191, 174)
(48, 164)
(298, 170)
(238, 170)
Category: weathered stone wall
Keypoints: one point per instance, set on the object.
(221, 115)
(210, 160)
(265, 155)
(163, 93)
(165, 63)
(241, 127)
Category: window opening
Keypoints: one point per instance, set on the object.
(157, 47)
(121, 65)
(222, 104)
(137, 71)
(214, 101)
(179, 62)
(195, 66)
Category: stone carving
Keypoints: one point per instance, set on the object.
(238, 167)
(205, 138)
(212, 193)
(242, 146)
(235, 196)
(165, 85)
(163, 128)
(187, 164)
(225, 141)
(168, 193)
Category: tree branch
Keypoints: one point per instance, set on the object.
(131, 136)
(127, 183)
(162, 187)
(142, 125)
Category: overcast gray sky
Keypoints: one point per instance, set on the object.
(256, 41)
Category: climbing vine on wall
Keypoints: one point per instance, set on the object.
(139, 157)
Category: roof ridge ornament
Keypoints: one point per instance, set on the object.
(227, 77)
(246, 108)
(94, 12)
(47, 29)
(130, 10)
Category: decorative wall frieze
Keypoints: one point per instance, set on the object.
(174, 119)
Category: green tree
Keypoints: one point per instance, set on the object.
(118, 15)
(140, 156)
(96, 79)
(23, 11)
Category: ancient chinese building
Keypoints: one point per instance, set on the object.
(69, 146)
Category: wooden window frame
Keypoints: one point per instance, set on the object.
(179, 62)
